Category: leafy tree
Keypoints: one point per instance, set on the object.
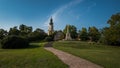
(25, 30)
(94, 34)
(14, 31)
(3, 33)
(38, 34)
(114, 20)
(83, 35)
(112, 33)
(41, 33)
(13, 42)
(48, 38)
(25, 33)
(73, 31)
(29, 29)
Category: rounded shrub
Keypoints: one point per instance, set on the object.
(48, 39)
(14, 42)
(0, 43)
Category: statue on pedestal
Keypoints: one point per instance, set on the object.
(68, 36)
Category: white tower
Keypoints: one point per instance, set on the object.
(50, 27)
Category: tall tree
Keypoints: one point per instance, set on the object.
(14, 31)
(3, 33)
(38, 34)
(112, 34)
(25, 30)
(94, 34)
(29, 29)
(83, 34)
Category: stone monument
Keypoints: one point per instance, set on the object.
(68, 36)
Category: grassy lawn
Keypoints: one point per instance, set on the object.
(106, 56)
(33, 57)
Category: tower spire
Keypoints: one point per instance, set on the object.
(51, 21)
(50, 28)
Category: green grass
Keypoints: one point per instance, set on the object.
(33, 57)
(106, 56)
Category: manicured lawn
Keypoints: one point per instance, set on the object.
(106, 56)
(33, 57)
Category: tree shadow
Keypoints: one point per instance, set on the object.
(33, 46)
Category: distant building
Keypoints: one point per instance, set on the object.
(50, 27)
(59, 35)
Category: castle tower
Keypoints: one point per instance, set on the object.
(50, 27)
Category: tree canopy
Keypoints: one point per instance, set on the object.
(112, 33)
(94, 34)
(83, 34)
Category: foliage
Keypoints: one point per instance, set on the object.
(94, 34)
(24, 30)
(3, 33)
(38, 34)
(73, 31)
(16, 38)
(48, 38)
(83, 34)
(14, 31)
(112, 33)
(13, 42)
(106, 56)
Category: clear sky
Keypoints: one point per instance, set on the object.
(36, 13)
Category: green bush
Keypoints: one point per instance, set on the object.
(14, 42)
(48, 39)
(0, 43)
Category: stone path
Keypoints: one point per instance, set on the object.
(49, 44)
(71, 60)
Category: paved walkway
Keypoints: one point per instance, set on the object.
(71, 60)
(49, 44)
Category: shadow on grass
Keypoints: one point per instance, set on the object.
(29, 47)
(33, 46)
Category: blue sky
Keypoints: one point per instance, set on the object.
(36, 13)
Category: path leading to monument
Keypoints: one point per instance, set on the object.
(71, 60)
(49, 44)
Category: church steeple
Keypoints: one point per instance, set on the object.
(51, 21)
(51, 28)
